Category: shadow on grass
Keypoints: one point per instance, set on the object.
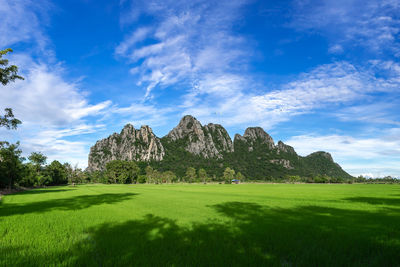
(252, 235)
(72, 203)
(376, 200)
(43, 190)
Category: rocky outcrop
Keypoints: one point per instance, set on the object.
(283, 162)
(255, 136)
(283, 148)
(209, 141)
(130, 144)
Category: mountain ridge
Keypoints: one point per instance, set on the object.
(190, 143)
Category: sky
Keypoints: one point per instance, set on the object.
(318, 75)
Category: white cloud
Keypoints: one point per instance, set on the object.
(336, 49)
(44, 97)
(190, 40)
(51, 110)
(373, 24)
(22, 21)
(226, 99)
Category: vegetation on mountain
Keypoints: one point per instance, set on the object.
(190, 145)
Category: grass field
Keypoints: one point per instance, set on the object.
(192, 225)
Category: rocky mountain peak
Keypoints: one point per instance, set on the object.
(210, 141)
(130, 144)
(187, 125)
(282, 147)
(253, 134)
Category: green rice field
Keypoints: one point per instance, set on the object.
(202, 225)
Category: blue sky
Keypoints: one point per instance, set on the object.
(319, 75)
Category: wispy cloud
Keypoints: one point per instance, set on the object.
(325, 86)
(51, 110)
(188, 41)
(23, 21)
(374, 24)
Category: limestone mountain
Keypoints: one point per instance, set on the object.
(130, 144)
(209, 141)
(190, 144)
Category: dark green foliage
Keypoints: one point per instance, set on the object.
(7, 74)
(37, 158)
(11, 168)
(57, 172)
(253, 162)
(8, 120)
(122, 172)
(203, 177)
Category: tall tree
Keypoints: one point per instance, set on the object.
(10, 156)
(229, 174)
(57, 173)
(190, 175)
(203, 175)
(8, 74)
(10, 165)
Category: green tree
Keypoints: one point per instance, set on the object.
(8, 120)
(240, 176)
(229, 174)
(10, 156)
(169, 177)
(7, 74)
(149, 174)
(37, 158)
(203, 175)
(11, 168)
(190, 175)
(57, 172)
(119, 171)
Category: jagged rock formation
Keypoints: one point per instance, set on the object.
(254, 136)
(209, 141)
(191, 144)
(130, 144)
(283, 148)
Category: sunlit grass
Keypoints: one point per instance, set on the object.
(187, 225)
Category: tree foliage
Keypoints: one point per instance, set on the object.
(37, 158)
(7, 73)
(190, 175)
(8, 120)
(11, 168)
(122, 172)
(203, 175)
(229, 174)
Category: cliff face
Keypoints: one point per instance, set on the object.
(209, 141)
(189, 144)
(130, 144)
